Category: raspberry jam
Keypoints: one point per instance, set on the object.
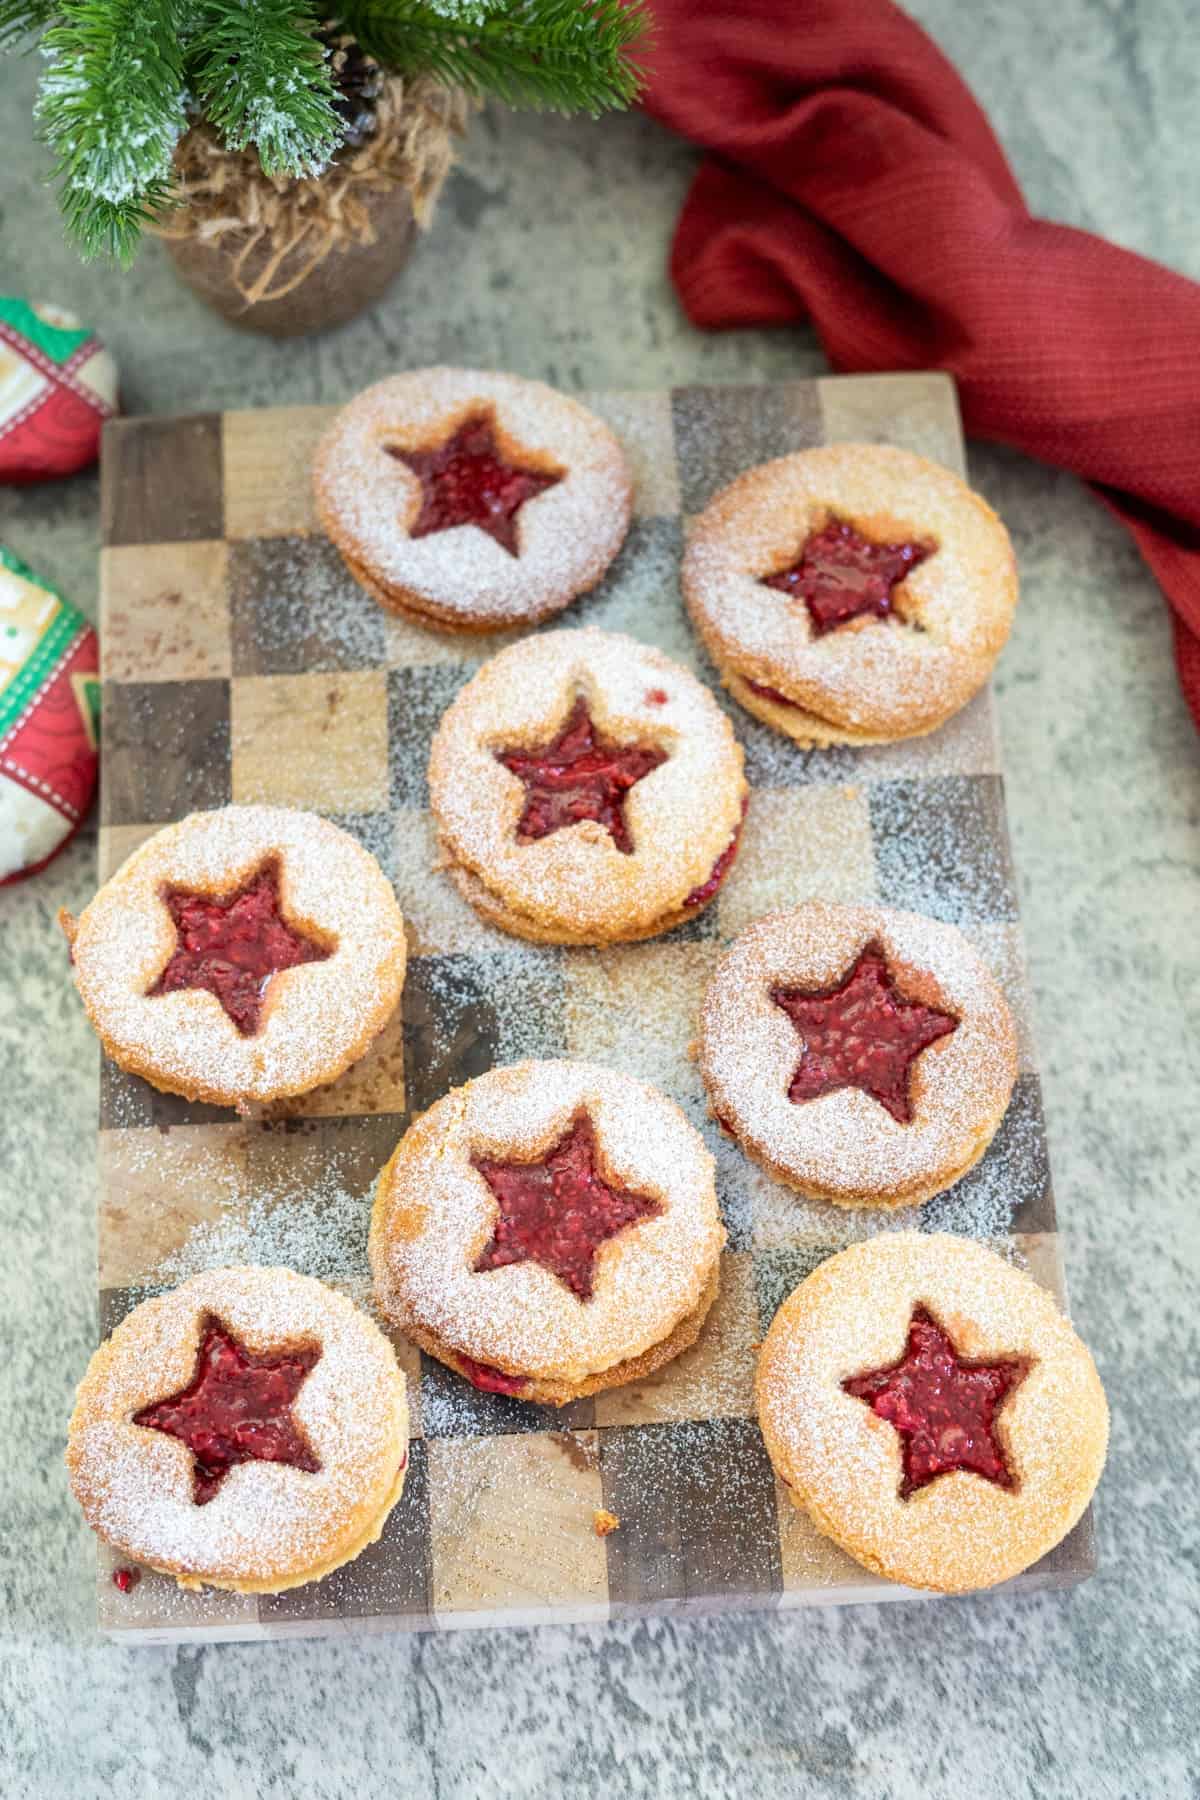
(467, 481)
(559, 1211)
(862, 1033)
(770, 693)
(701, 895)
(491, 1381)
(237, 1408)
(943, 1407)
(841, 575)
(126, 1579)
(233, 947)
(579, 775)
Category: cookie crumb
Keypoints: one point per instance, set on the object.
(604, 1522)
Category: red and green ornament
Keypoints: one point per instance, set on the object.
(49, 719)
(58, 384)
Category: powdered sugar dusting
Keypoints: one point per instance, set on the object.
(681, 817)
(567, 535)
(844, 1464)
(316, 1019)
(267, 1520)
(434, 1215)
(869, 679)
(844, 1146)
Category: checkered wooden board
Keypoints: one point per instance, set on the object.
(241, 663)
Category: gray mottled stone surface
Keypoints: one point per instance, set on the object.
(548, 258)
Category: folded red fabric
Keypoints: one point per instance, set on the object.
(855, 180)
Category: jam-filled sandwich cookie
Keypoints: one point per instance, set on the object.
(932, 1411)
(549, 1230)
(864, 1056)
(586, 790)
(851, 595)
(241, 955)
(472, 501)
(248, 1431)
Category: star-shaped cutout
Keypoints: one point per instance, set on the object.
(944, 1407)
(580, 774)
(469, 481)
(559, 1211)
(237, 1408)
(862, 1033)
(233, 946)
(841, 575)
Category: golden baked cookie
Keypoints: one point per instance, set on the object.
(586, 790)
(851, 595)
(247, 1431)
(241, 955)
(472, 501)
(933, 1412)
(863, 1055)
(548, 1230)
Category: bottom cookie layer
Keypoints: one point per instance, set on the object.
(489, 906)
(561, 1393)
(809, 730)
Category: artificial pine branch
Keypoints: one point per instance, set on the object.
(23, 18)
(261, 78)
(111, 102)
(567, 55)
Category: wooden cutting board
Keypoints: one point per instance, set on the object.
(241, 663)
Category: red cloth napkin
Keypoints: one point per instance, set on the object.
(854, 180)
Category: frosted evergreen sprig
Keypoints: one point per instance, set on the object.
(260, 77)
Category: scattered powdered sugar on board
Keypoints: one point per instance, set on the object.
(321, 1233)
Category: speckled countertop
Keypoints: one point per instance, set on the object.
(547, 258)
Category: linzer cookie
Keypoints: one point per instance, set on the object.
(932, 1411)
(472, 501)
(863, 1055)
(548, 1230)
(851, 595)
(586, 790)
(248, 1431)
(241, 955)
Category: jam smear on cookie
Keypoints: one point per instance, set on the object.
(559, 1211)
(233, 946)
(237, 1408)
(468, 481)
(861, 1033)
(841, 575)
(943, 1406)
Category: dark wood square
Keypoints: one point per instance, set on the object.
(166, 750)
(161, 480)
(1015, 1169)
(721, 432)
(296, 609)
(417, 698)
(696, 1503)
(451, 1407)
(941, 847)
(454, 1030)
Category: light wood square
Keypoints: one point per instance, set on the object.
(436, 917)
(316, 741)
(917, 412)
(408, 645)
(268, 457)
(374, 1084)
(967, 744)
(643, 423)
(1041, 1254)
(635, 1006)
(712, 1380)
(156, 1187)
(164, 612)
(802, 843)
(115, 843)
(157, 1610)
(809, 1560)
(512, 1526)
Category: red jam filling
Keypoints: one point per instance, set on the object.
(841, 575)
(237, 1408)
(579, 775)
(233, 947)
(657, 697)
(467, 481)
(492, 1381)
(125, 1579)
(862, 1033)
(770, 693)
(944, 1408)
(701, 895)
(559, 1211)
